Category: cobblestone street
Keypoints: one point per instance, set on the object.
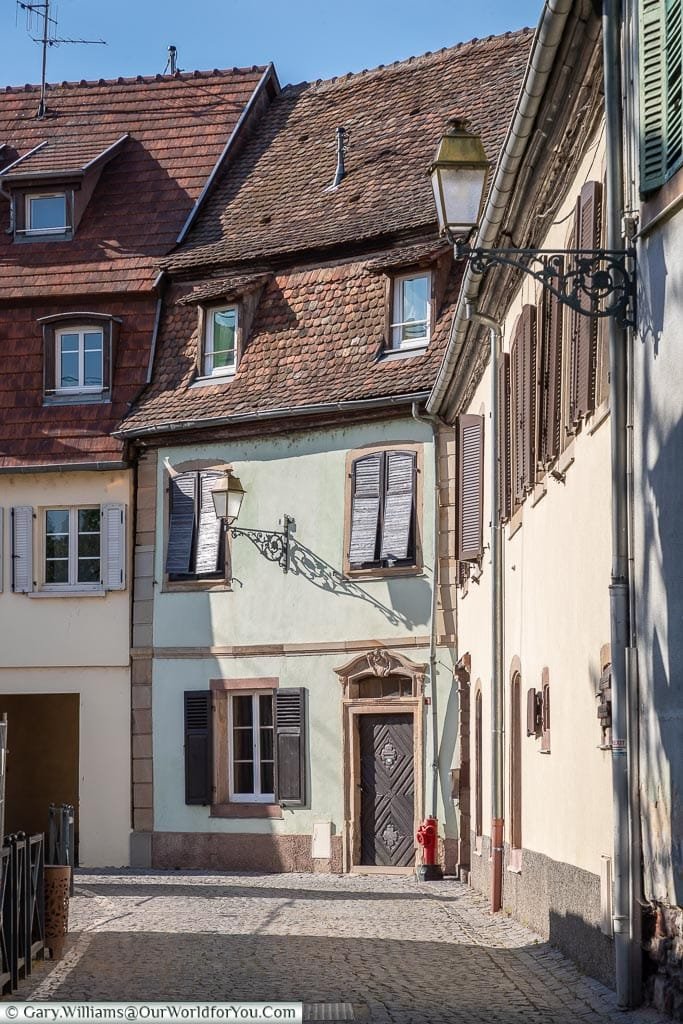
(392, 949)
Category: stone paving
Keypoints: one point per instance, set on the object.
(398, 951)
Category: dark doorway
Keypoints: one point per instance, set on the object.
(42, 757)
(387, 790)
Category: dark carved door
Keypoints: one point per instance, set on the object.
(387, 790)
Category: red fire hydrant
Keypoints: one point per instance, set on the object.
(427, 835)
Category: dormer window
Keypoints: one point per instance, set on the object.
(46, 214)
(220, 341)
(79, 353)
(411, 311)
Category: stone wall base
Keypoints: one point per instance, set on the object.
(663, 944)
(559, 901)
(240, 851)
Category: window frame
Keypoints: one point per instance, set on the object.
(73, 323)
(256, 797)
(207, 338)
(413, 568)
(81, 388)
(395, 312)
(73, 585)
(29, 230)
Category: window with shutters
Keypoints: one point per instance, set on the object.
(196, 548)
(78, 357)
(661, 91)
(382, 511)
(251, 746)
(470, 477)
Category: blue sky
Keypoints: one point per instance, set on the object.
(306, 39)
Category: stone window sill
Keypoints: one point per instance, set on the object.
(238, 810)
(100, 592)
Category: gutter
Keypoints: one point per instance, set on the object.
(541, 60)
(268, 75)
(67, 467)
(272, 414)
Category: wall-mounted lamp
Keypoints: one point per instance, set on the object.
(273, 544)
(593, 282)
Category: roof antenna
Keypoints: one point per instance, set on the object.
(172, 62)
(342, 136)
(35, 12)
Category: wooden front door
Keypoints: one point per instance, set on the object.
(387, 774)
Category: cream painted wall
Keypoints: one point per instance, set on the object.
(104, 738)
(556, 578)
(51, 631)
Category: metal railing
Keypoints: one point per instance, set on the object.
(22, 906)
(61, 845)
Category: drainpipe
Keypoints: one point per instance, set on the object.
(620, 625)
(497, 620)
(434, 422)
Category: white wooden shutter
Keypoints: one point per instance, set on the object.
(22, 549)
(398, 505)
(183, 490)
(113, 530)
(365, 509)
(208, 526)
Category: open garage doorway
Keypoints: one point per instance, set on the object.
(42, 758)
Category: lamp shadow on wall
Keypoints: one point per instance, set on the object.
(311, 567)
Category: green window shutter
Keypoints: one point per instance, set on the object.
(198, 747)
(674, 87)
(290, 746)
(661, 91)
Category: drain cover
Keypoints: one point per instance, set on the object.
(328, 1011)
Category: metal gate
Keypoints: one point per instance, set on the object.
(387, 790)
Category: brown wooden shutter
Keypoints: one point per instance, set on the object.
(585, 334)
(198, 747)
(366, 483)
(545, 715)
(49, 360)
(290, 746)
(529, 398)
(531, 712)
(183, 501)
(470, 471)
(517, 415)
(551, 378)
(504, 453)
(399, 506)
(208, 526)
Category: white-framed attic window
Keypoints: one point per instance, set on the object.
(411, 311)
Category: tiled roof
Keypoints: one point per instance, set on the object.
(178, 126)
(276, 198)
(65, 157)
(228, 288)
(315, 339)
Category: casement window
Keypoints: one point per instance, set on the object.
(661, 91)
(245, 747)
(584, 329)
(46, 213)
(80, 548)
(196, 539)
(470, 482)
(78, 356)
(383, 533)
(219, 355)
(411, 311)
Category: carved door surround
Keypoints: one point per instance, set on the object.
(400, 675)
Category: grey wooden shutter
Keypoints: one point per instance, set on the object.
(504, 453)
(399, 505)
(49, 360)
(113, 549)
(365, 509)
(551, 378)
(290, 746)
(470, 453)
(183, 500)
(208, 526)
(529, 397)
(198, 747)
(22, 549)
(589, 215)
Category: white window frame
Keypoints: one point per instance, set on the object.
(72, 585)
(28, 199)
(80, 388)
(256, 797)
(208, 369)
(397, 321)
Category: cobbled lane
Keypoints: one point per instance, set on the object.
(398, 951)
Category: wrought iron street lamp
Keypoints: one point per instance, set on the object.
(593, 282)
(273, 544)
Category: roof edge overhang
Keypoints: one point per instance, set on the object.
(65, 467)
(15, 178)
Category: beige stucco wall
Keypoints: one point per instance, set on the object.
(65, 644)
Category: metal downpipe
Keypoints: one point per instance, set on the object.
(620, 631)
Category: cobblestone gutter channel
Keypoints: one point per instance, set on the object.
(383, 949)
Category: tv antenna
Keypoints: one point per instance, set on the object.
(38, 11)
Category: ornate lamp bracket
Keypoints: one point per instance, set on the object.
(593, 282)
(274, 545)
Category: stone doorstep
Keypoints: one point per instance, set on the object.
(329, 1011)
(373, 869)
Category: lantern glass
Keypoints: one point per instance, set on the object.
(458, 175)
(227, 499)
